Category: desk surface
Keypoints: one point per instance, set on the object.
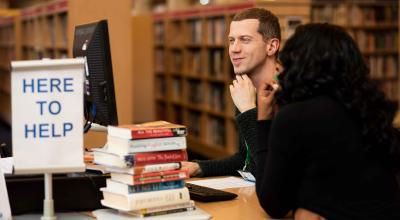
(245, 206)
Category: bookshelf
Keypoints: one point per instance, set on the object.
(374, 26)
(192, 70)
(46, 30)
(10, 49)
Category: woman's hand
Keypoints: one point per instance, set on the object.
(266, 100)
(243, 93)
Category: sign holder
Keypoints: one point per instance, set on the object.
(48, 202)
(47, 125)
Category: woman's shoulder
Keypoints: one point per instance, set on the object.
(316, 107)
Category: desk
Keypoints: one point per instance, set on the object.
(245, 206)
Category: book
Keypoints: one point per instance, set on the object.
(162, 210)
(154, 177)
(107, 214)
(146, 168)
(137, 201)
(123, 146)
(104, 157)
(154, 129)
(122, 188)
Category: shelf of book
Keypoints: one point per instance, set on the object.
(47, 28)
(374, 26)
(192, 70)
(9, 50)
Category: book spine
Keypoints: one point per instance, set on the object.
(147, 199)
(146, 169)
(156, 186)
(170, 211)
(140, 159)
(127, 189)
(158, 144)
(148, 212)
(155, 177)
(123, 146)
(160, 177)
(158, 133)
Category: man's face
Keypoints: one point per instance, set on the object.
(247, 49)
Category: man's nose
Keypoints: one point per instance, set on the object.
(235, 47)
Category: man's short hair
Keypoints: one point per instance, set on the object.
(269, 23)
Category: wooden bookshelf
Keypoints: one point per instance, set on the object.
(192, 70)
(46, 30)
(10, 49)
(374, 25)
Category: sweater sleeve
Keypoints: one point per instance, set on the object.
(247, 123)
(278, 173)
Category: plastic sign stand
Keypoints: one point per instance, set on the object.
(5, 210)
(47, 119)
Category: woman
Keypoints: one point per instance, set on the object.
(330, 151)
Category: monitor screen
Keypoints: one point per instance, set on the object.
(91, 42)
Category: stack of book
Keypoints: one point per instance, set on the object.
(146, 175)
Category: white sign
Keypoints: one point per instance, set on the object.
(47, 115)
(5, 210)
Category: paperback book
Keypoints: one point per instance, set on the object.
(156, 129)
(145, 200)
(122, 188)
(123, 146)
(154, 177)
(104, 157)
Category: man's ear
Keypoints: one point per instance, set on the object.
(272, 46)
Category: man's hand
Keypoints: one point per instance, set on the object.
(243, 93)
(193, 167)
(266, 100)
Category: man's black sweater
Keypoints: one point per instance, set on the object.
(247, 123)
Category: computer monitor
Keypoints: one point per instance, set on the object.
(91, 42)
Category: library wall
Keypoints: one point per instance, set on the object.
(142, 62)
(119, 20)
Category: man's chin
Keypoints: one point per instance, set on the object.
(238, 72)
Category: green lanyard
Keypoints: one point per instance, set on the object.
(247, 161)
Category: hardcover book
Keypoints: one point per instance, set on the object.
(162, 210)
(123, 146)
(146, 168)
(104, 157)
(154, 129)
(122, 188)
(137, 201)
(154, 177)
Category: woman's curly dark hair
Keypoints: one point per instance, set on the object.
(322, 59)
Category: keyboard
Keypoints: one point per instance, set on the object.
(206, 194)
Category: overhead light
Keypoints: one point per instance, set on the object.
(204, 2)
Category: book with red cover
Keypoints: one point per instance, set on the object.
(155, 129)
(145, 169)
(104, 157)
(154, 177)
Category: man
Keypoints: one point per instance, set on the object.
(254, 41)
